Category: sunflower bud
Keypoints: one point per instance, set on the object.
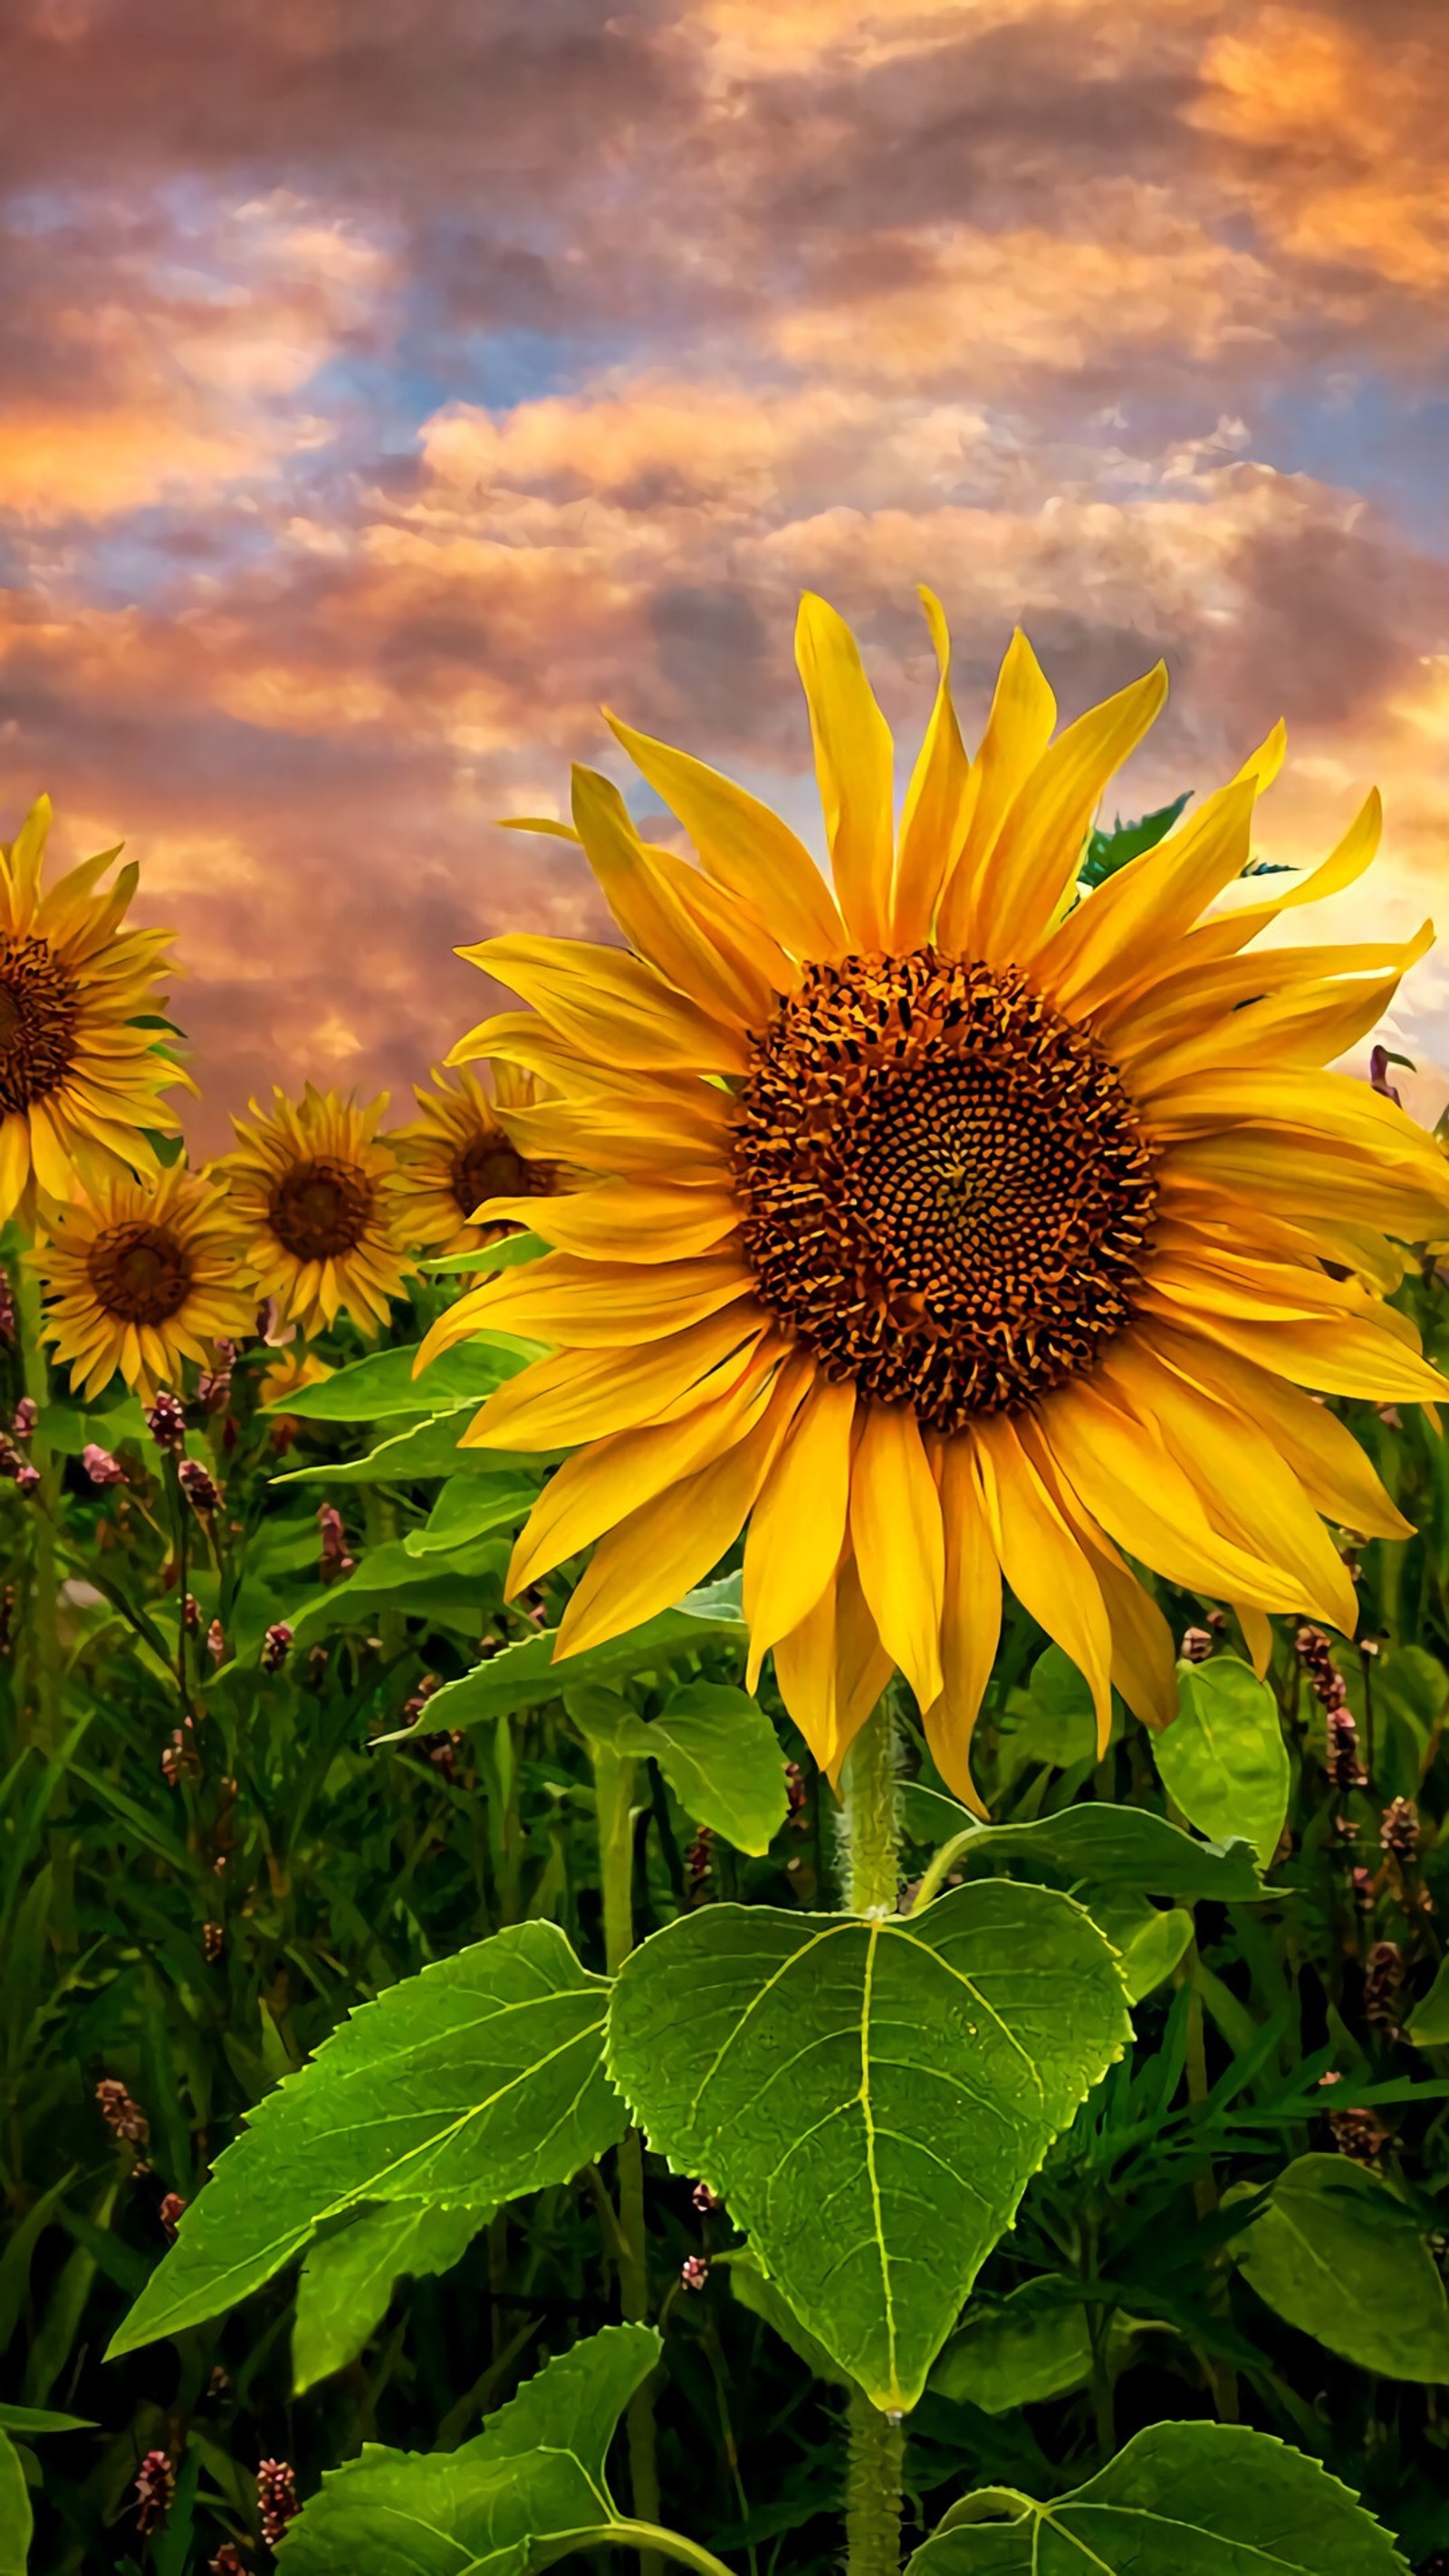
(1399, 1832)
(694, 2272)
(213, 1941)
(1197, 1645)
(169, 2213)
(216, 1642)
(1382, 1985)
(27, 1413)
(335, 1564)
(123, 2117)
(100, 1466)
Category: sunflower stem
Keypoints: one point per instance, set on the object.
(614, 1805)
(871, 1843)
(43, 1609)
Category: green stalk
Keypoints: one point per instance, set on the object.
(877, 2442)
(43, 1608)
(614, 1802)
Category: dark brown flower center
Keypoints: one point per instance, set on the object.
(140, 1273)
(489, 1168)
(946, 1188)
(39, 1008)
(321, 1210)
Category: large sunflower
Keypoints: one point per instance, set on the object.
(459, 1153)
(141, 1276)
(315, 1187)
(948, 1227)
(79, 1080)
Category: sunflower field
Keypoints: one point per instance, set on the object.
(723, 1771)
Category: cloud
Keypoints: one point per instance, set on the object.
(381, 391)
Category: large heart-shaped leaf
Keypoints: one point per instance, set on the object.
(505, 2502)
(477, 2080)
(1180, 2500)
(870, 2096)
(1223, 1758)
(458, 1590)
(347, 2279)
(1339, 2254)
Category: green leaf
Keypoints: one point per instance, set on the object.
(526, 1676)
(368, 1390)
(1180, 2500)
(348, 2280)
(16, 2520)
(1021, 2350)
(1337, 2253)
(1223, 1758)
(31, 2420)
(1107, 1846)
(1148, 1942)
(1109, 851)
(715, 1747)
(456, 1589)
(505, 1254)
(68, 1430)
(494, 2506)
(871, 2097)
(471, 1506)
(425, 1449)
(477, 2080)
(1429, 2027)
(753, 2287)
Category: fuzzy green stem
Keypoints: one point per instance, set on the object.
(873, 2489)
(872, 1840)
(614, 1806)
(42, 1620)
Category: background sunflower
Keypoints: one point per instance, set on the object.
(139, 1277)
(315, 1188)
(460, 1153)
(80, 1082)
(949, 1226)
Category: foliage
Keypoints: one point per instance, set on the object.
(1122, 2159)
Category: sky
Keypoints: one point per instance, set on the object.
(384, 384)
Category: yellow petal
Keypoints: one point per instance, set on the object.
(1322, 1452)
(578, 1395)
(1023, 712)
(590, 1305)
(668, 1545)
(1299, 1175)
(720, 975)
(26, 857)
(1039, 847)
(1257, 1631)
(623, 1220)
(1144, 1655)
(1131, 922)
(1342, 1355)
(935, 813)
(611, 1006)
(1140, 1496)
(53, 1166)
(862, 1665)
(854, 768)
(1247, 1489)
(14, 1161)
(677, 1140)
(970, 1621)
(897, 1535)
(599, 1487)
(797, 1527)
(1042, 1562)
(743, 845)
(806, 1677)
(1306, 1026)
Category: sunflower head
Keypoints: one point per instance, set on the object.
(460, 1153)
(141, 1275)
(315, 1188)
(949, 1224)
(80, 1079)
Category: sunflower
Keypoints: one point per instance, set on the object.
(315, 1187)
(140, 1276)
(460, 1153)
(80, 1080)
(953, 1227)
